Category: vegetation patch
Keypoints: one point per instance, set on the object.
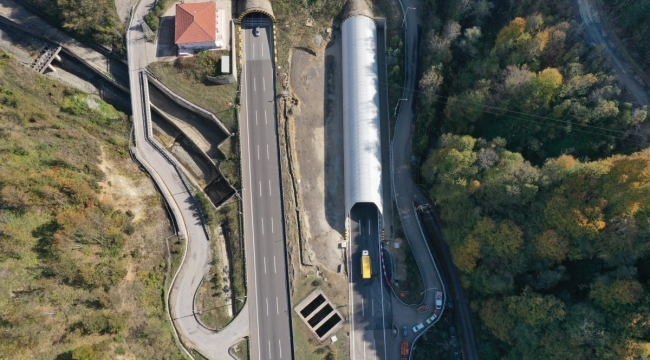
(70, 262)
(187, 77)
(90, 20)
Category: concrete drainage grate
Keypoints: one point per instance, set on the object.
(320, 315)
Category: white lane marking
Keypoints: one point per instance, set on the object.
(363, 310)
(275, 270)
(267, 306)
(255, 117)
(364, 351)
(263, 84)
(277, 306)
(265, 264)
(272, 228)
(260, 188)
(269, 187)
(266, 120)
(254, 85)
(262, 50)
(262, 226)
(258, 152)
(280, 347)
(267, 152)
(250, 180)
(269, 349)
(253, 51)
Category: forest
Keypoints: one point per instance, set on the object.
(525, 146)
(81, 277)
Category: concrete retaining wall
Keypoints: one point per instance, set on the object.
(186, 104)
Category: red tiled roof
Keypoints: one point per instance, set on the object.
(195, 22)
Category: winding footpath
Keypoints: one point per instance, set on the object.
(184, 209)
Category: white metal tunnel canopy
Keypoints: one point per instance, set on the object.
(361, 127)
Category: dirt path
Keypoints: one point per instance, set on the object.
(622, 67)
(319, 161)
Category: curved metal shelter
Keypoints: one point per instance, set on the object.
(255, 6)
(361, 127)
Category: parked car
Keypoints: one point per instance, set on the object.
(405, 332)
(432, 319)
(438, 299)
(256, 31)
(418, 327)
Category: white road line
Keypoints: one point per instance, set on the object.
(266, 120)
(267, 306)
(277, 306)
(275, 270)
(262, 226)
(254, 85)
(272, 227)
(253, 51)
(267, 152)
(269, 187)
(257, 307)
(258, 152)
(264, 84)
(262, 50)
(269, 349)
(265, 264)
(280, 348)
(363, 310)
(255, 117)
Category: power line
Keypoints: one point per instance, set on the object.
(563, 122)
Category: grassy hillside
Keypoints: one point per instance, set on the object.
(82, 232)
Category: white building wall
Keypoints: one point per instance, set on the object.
(188, 49)
(361, 127)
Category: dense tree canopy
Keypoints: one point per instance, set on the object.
(547, 252)
(526, 76)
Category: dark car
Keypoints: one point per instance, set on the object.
(405, 332)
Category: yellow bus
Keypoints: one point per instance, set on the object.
(366, 270)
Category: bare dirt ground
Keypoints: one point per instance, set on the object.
(316, 82)
(122, 191)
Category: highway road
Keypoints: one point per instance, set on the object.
(370, 308)
(184, 209)
(270, 321)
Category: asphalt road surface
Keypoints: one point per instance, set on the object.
(370, 311)
(270, 323)
(407, 192)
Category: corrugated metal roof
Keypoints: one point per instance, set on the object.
(195, 22)
(361, 127)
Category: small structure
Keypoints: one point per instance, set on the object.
(199, 26)
(225, 64)
(320, 315)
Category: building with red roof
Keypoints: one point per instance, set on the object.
(198, 27)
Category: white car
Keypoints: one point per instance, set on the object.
(432, 319)
(256, 31)
(418, 327)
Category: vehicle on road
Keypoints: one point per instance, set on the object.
(366, 270)
(432, 319)
(256, 31)
(423, 309)
(405, 332)
(438, 299)
(404, 350)
(418, 327)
